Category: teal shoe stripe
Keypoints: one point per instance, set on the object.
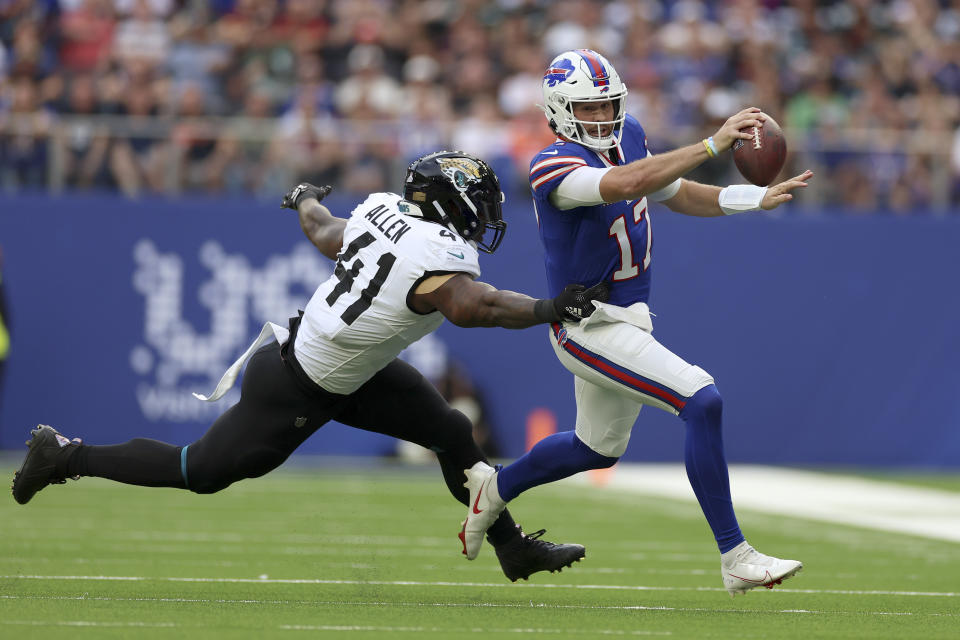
(183, 466)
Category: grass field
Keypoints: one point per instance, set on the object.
(374, 554)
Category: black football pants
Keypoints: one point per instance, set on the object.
(279, 408)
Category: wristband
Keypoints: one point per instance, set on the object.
(306, 193)
(738, 198)
(710, 146)
(544, 311)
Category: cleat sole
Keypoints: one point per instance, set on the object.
(769, 585)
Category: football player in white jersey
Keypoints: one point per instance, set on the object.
(404, 263)
(590, 190)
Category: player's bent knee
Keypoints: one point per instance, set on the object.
(705, 404)
(201, 474)
(604, 462)
(206, 478)
(207, 484)
(593, 459)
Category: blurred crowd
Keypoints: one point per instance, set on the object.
(250, 96)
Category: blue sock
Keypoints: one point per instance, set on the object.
(555, 457)
(707, 465)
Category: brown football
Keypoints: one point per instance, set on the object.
(761, 158)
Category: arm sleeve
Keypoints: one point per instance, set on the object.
(668, 191)
(580, 188)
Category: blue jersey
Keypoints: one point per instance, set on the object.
(602, 242)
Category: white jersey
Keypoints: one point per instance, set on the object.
(359, 319)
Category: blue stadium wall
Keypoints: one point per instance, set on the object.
(834, 340)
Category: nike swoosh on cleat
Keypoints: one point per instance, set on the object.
(475, 502)
(764, 581)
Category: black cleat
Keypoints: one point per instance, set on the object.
(527, 554)
(39, 468)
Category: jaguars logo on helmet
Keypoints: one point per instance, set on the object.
(461, 192)
(461, 171)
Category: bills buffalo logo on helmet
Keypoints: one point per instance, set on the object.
(558, 72)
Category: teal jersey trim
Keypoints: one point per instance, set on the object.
(183, 466)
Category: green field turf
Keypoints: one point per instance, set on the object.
(374, 554)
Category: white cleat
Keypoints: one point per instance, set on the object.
(744, 568)
(484, 508)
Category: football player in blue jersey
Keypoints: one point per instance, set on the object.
(591, 189)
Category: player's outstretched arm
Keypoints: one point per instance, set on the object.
(468, 303)
(649, 175)
(695, 199)
(320, 226)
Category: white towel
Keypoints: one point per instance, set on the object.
(269, 332)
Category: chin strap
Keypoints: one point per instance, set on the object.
(445, 219)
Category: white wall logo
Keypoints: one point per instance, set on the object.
(176, 357)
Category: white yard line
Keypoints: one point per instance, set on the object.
(87, 623)
(460, 585)
(447, 630)
(450, 605)
(850, 500)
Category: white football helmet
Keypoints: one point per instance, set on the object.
(583, 75)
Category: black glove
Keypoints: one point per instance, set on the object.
(292, 199)
(573, 304)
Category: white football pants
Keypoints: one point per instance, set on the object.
(618, 368)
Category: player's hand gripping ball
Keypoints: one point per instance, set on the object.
(761, 158)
